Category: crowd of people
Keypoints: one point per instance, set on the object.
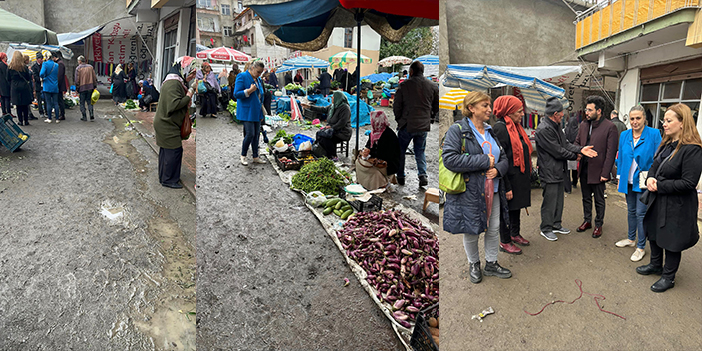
(658, 176)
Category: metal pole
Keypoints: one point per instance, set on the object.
(359, 18)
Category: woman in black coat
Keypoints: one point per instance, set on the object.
(20, 89)
(670, 222)
(4, 85)
(509, 111)
(119, 87)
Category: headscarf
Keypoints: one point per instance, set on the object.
(3, 57)
(339, 99)
(180, 70)
(379, 121)
(118, 69)
(503, 106)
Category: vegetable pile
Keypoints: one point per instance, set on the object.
(293, 87)
(287, 138)
(319, 175)
(68, 103)
(130, 105)
(339, 207)
(400, 256)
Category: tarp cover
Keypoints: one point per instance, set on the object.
(15, 29)
(378, 77)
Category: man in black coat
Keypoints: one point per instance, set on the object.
(61, 83)
(325, 82)
(553, 151)
(571, 131)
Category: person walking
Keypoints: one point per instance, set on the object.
(86, 82)
(670, 222)
(4, 86)
(173, 110)
(20, 87)
(248, 91)
(466, 151)
(416, 100)
(509, 112)
(62, 83)
(49, 75)
(119, 87)
(553, 151)
(209, 98)
(38, 93)
(325, 82)
(603, 135)
(636, 149)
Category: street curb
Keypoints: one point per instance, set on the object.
(189, 187)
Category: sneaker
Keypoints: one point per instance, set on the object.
(494, 269)
(561, 230)
(638, 255)
(57, 121)
(47, 120)
(83, 119)
(258, 160)
(625, 242)
(20, 123)
(243, 161)
(92, 118)
(549, 235)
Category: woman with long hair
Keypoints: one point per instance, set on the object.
(670, 222)
(21, 90)
(467, 150)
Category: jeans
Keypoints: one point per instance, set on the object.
(86, 99)
(51, 104)
(251, 130)
(492, 236)
(552, 206)
(636, 211)
(420, 142)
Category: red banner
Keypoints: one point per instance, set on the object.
(97, 47)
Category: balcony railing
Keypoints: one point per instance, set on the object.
(611, 17)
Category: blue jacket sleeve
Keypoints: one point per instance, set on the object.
(42, 73)
(239, 88)
(458, 162)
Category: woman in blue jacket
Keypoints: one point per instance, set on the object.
(248, 91)
(467, 213)
(636, 149)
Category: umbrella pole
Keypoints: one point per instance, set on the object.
(359, 18)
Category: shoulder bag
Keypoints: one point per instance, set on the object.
(452, 182)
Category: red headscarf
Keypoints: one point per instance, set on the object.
(3, 57)
(379, 121)
(506, 105)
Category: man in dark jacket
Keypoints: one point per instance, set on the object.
(86, 82)
(571, 131)
(4, 86)
(287, 78)
(273, 79)
(416, 100)
(325, 82)
(61, 83)
(553, 151)
(602, 134)
(36, 68)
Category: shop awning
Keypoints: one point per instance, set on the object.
(70, 38)
(480, 77)
(31, 50)
(15, 29)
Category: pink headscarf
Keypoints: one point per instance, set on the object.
(379, 121)
(3, 57)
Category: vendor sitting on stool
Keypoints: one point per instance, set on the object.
(338, 120)
(381, 156)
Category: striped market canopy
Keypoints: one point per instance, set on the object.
(452, 99)
(393, 60)
(223, 54)
(346, 58)
(428, 60)
(302, 62)
(480, 77)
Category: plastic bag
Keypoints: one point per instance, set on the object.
(201, 88)
(316, 198)
(305, 146)
(95, 96)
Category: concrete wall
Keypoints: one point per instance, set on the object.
(527, 32)
(32, 10)
(64, 16)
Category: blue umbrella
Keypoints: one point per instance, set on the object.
(302, 62)
(428, 60)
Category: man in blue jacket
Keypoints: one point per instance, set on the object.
(49, 74)
(248, 91)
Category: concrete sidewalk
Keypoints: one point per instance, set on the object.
(143, 122)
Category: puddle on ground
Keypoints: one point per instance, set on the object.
(171, 323)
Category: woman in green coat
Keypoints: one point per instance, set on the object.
(173, 109)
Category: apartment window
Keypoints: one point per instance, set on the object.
(206, 24)
(226, 9)
(169, 44)
(205, 4)
(348, 37)
(657, 97)
(227, 31)
(240, 6)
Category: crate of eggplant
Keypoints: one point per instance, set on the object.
(287, 161)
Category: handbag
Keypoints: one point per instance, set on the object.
(186, 128)
(326, 133)
(148, 99)
(643, 175)
(451, 182)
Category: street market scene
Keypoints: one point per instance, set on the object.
(533, 133)
(322, 236)
(98, 231)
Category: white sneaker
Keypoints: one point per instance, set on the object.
(57, 121)
(638, 255)
(47, 120)
(243, 161)
(258, 160)
(625, 243)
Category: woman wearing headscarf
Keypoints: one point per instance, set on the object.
(119, 87)
(466, 150)
(509, 111)
(232, 80)
(670, 222)
(338, 119)
(20, 89)
(208, 99)
(381, 156)
(4, 85)
(149, 95)
(298, 78)
(173, 110)
(132, 88)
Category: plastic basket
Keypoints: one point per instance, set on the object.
(295, 165)
(9, 134)
(374, 204)
(421, 336)
(301, 138)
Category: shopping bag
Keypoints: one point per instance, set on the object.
(451, 182)
(95, 96)
(201, 88)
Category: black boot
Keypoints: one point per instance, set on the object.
(649, 269)
(662, 285)
(423, 181)
(493, 268)
(476, 275)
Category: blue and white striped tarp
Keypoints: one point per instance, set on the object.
(428, 60)
(480, 77)
(302, 62)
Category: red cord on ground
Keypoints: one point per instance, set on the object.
(579, 283)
